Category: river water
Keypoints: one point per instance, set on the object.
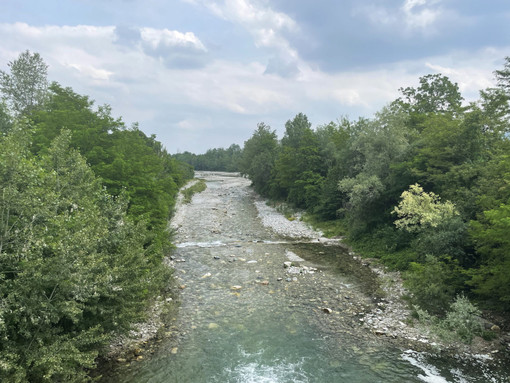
(245, 318)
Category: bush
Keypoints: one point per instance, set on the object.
(433, 283)
(198, 187)
(463, 319)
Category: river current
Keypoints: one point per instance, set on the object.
(244, 317)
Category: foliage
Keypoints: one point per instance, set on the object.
(433, 284)
(461, 322)
(126, 160)
(25, 87)
(419, 210)
(362, 173)
(463, 318)
(503, 75)
(5, 119)
(79, 263)
(74, 270)
(436, 94)
(197, 187)
(218, 159)
(258, 157)
(298, 174)
(490, 233)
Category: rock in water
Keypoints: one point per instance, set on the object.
(293, 256)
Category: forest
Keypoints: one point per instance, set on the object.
(84, 209)
(424, 186)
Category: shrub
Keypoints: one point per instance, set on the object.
(463, 319)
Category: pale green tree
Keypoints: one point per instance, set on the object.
(25, 87)
(419, 210)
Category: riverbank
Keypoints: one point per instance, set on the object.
(391, 316)
(238, 258)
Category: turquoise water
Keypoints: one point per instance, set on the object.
(243, 318)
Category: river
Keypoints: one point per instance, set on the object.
(244, 317)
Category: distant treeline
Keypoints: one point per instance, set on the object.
(84, 209)
(424, 186)
(219, 159)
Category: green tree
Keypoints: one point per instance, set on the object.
(73, 270)
(259, 156)
(298, 172)
(26, 86)
(436, 94)
(503, 76)
(490, 234)
(5, 119)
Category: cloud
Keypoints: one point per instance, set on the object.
(127, 35)
(414, 15)
(175, 49)
(266, 26)
(283, 67)
(221, 102)
(421, 13)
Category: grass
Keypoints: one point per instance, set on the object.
(197, 187)
(331, 229)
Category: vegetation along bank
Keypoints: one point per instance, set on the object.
(424, 187)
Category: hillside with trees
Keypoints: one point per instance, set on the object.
(84, 208)
(423, 186)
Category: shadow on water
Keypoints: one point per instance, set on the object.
(336, 259)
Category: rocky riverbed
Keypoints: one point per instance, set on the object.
(238, 262)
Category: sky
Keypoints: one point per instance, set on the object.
(201, 74)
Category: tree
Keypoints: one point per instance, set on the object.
(73, 269)
(5, 119)
(258, 157)
(503, 76)
(299, 173)
(436, 94)
(419, 210)
(26, 86)
(490, 234)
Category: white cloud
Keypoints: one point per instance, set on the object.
(414, 15)
(421, 13)
(266, 26)
(157, 38)
(186, 106)
(91, 72)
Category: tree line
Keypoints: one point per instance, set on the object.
(219, 159)
(84, 208)
(424, 186)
